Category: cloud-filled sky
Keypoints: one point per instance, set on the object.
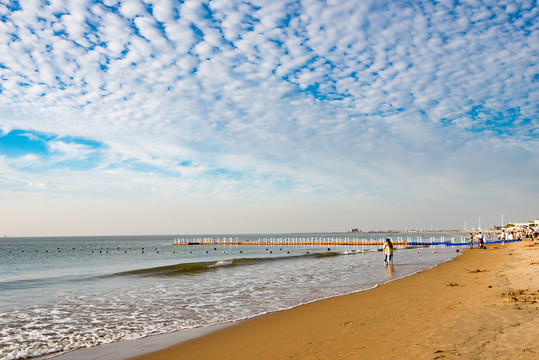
(225, 116)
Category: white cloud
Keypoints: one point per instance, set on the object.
(164, 10)
(147, 27)
(181, 35)
(131, 8)
(115, 32)
(334, 99)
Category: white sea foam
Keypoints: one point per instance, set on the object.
(222, 263)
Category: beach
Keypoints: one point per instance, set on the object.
(481, 305)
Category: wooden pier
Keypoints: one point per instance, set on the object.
(317, 241)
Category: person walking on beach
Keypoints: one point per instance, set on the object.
(388, 253)
(471, 241)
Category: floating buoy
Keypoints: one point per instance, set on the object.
(363, 253)
(418, 252)
(433, 251)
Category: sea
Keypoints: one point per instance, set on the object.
(59, 294)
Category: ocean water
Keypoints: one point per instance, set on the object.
(61, 294)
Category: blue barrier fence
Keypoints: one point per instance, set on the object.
(450, 243)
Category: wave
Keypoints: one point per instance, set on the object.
(160, 271)
(204, 266)
(27, 283)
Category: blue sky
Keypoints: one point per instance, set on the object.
(163, 116)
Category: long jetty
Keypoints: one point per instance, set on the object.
(325, 241)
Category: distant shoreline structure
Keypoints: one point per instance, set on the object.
(532, 224)
(352, 231)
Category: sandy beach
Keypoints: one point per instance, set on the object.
(482, 305)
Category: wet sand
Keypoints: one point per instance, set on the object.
(482, 305)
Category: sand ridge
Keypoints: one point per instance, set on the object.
(482, 305)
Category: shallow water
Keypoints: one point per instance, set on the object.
(58, 294)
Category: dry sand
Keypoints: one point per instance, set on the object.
(482, 305)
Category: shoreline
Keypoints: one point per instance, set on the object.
(478, 305)
(130, 348)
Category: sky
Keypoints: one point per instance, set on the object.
(225, 116)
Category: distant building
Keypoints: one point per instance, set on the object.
(354, 230)
(531, 223)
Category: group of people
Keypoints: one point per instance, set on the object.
(505, 235)
(526, 233)
(479, 238)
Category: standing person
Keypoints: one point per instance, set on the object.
(480, 240)
(471, 241)
(388, 253)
